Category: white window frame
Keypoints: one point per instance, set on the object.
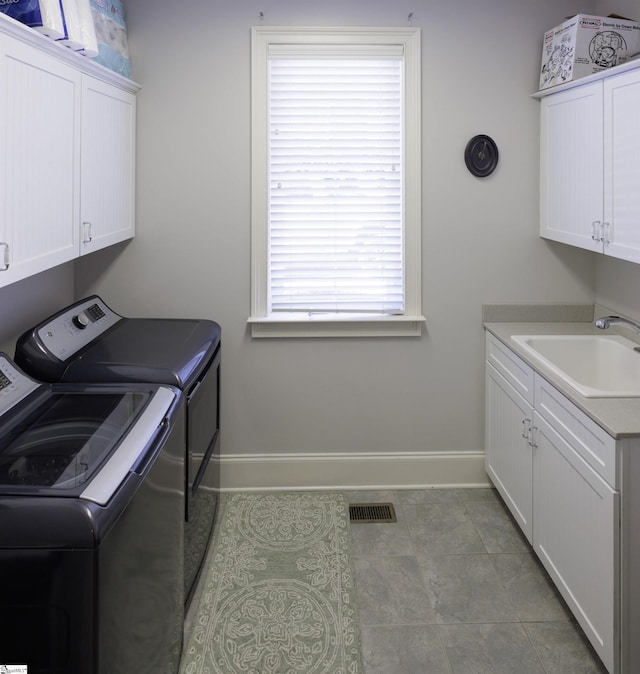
(262, 324)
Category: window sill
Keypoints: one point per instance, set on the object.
(334, 325)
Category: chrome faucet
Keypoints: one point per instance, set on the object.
(604, 322)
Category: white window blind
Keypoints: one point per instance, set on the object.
(336, 230)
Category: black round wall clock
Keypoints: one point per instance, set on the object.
(481, 156)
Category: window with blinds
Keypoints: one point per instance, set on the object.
(335, 185)
(336, 179)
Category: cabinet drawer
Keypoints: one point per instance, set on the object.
(590, 441)
(510, 366)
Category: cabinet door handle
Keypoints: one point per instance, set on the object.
(596, 228)
(532, 442)
(86, 236)
(5, 257)
(606, 228)
(526, 428)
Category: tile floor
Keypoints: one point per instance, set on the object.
(453, 588)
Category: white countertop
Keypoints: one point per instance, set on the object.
(620, 417)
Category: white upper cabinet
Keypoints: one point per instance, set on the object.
(590, 165)
(67, 133)
(571, 160)
(622, 165)
(108, 165)
(39, 182)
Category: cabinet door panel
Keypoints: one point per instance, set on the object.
(508, 458)
(622, 165)
(571, 166)
(575, 534)
(40, 100)
(108, 165)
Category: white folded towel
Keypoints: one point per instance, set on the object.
(73, 37)
(87, 26)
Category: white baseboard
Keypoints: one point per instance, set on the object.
(408, 470)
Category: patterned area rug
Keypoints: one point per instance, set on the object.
(279, 596)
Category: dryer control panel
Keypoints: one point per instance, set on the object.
(77, 326)
(14, 385)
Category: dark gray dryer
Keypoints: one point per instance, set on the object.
(89, 342)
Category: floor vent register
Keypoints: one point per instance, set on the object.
(370, 513)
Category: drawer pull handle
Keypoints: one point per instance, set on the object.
(5, 257)
(596, 228)
(87, 235)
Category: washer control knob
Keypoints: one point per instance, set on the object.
(81, 320)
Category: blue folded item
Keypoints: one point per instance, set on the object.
(111, 34)
(45, 16)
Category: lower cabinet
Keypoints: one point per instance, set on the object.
(508, 456)
(575, 492)
(576, 516)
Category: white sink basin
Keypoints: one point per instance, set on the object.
(597, 366)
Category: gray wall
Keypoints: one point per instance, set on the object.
(627, 8)
(480, 244)
(27, 302)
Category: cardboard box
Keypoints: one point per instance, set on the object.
(586, 44)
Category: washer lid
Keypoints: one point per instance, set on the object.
(58, 444)
(80, 443)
